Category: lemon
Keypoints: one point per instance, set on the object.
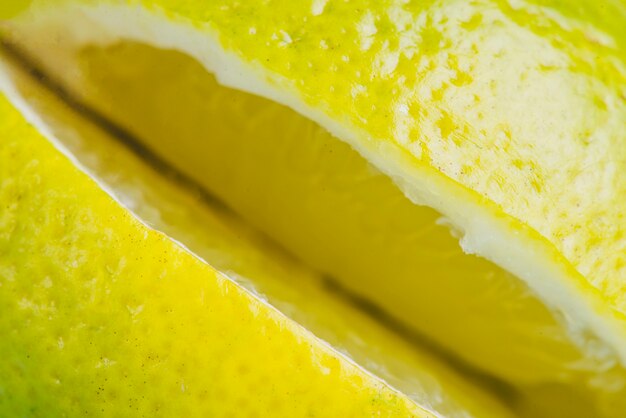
(501, 122)
(105, 316)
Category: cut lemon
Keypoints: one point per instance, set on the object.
(496, 124)
(105, 316)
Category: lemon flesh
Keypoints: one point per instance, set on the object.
(106, 316)
(424, 92)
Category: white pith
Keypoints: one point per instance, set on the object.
(485, 232)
